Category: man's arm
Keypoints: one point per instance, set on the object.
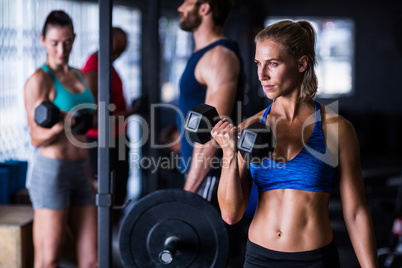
(219, 70)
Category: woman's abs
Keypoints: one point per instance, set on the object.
(63, 148)
(291, 221)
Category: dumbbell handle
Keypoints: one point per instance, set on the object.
(171, 244)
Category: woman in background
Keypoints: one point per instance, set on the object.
(59, 188)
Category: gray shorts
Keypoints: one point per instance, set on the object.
(59, 184)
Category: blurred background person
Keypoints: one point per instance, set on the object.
(59, 188)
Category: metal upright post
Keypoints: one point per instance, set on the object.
(104, 197)
(151, 81)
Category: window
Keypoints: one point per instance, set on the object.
(176, 47)
(334, 52)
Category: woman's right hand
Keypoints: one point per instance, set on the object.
(225, 134)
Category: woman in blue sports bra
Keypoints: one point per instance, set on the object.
(59, 187)
(314, 148)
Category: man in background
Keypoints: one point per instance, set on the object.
(213, 75)
(118, 152)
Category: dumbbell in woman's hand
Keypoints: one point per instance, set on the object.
(254, 142)
(47, 115)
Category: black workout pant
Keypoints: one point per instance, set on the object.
(258, 257)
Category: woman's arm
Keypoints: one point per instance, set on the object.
(36, 91)
(355, 211)
(235, 181)
(234, 188)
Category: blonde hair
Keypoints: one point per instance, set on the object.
(299, 39)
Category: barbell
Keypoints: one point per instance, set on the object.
(173, 228)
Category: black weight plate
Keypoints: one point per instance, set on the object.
(189, 245)
(174, 212)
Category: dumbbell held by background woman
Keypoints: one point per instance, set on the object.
(47, 115)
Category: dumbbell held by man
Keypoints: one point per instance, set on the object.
(254, 141)
(47, 115)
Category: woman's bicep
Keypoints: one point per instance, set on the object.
(351, 183)
(36, 91)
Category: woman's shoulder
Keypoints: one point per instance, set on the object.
(39, 82)
(340, 135)
(39, 77)
(253, 119)
(333, 120)
(78, 71)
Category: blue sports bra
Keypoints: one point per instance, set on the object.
(312, 169)
(66, 100)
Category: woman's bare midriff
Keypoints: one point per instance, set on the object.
(290, 220)
(67, 149)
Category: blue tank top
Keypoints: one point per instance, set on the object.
(310, 170)
(193, 93)
(66, 100)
